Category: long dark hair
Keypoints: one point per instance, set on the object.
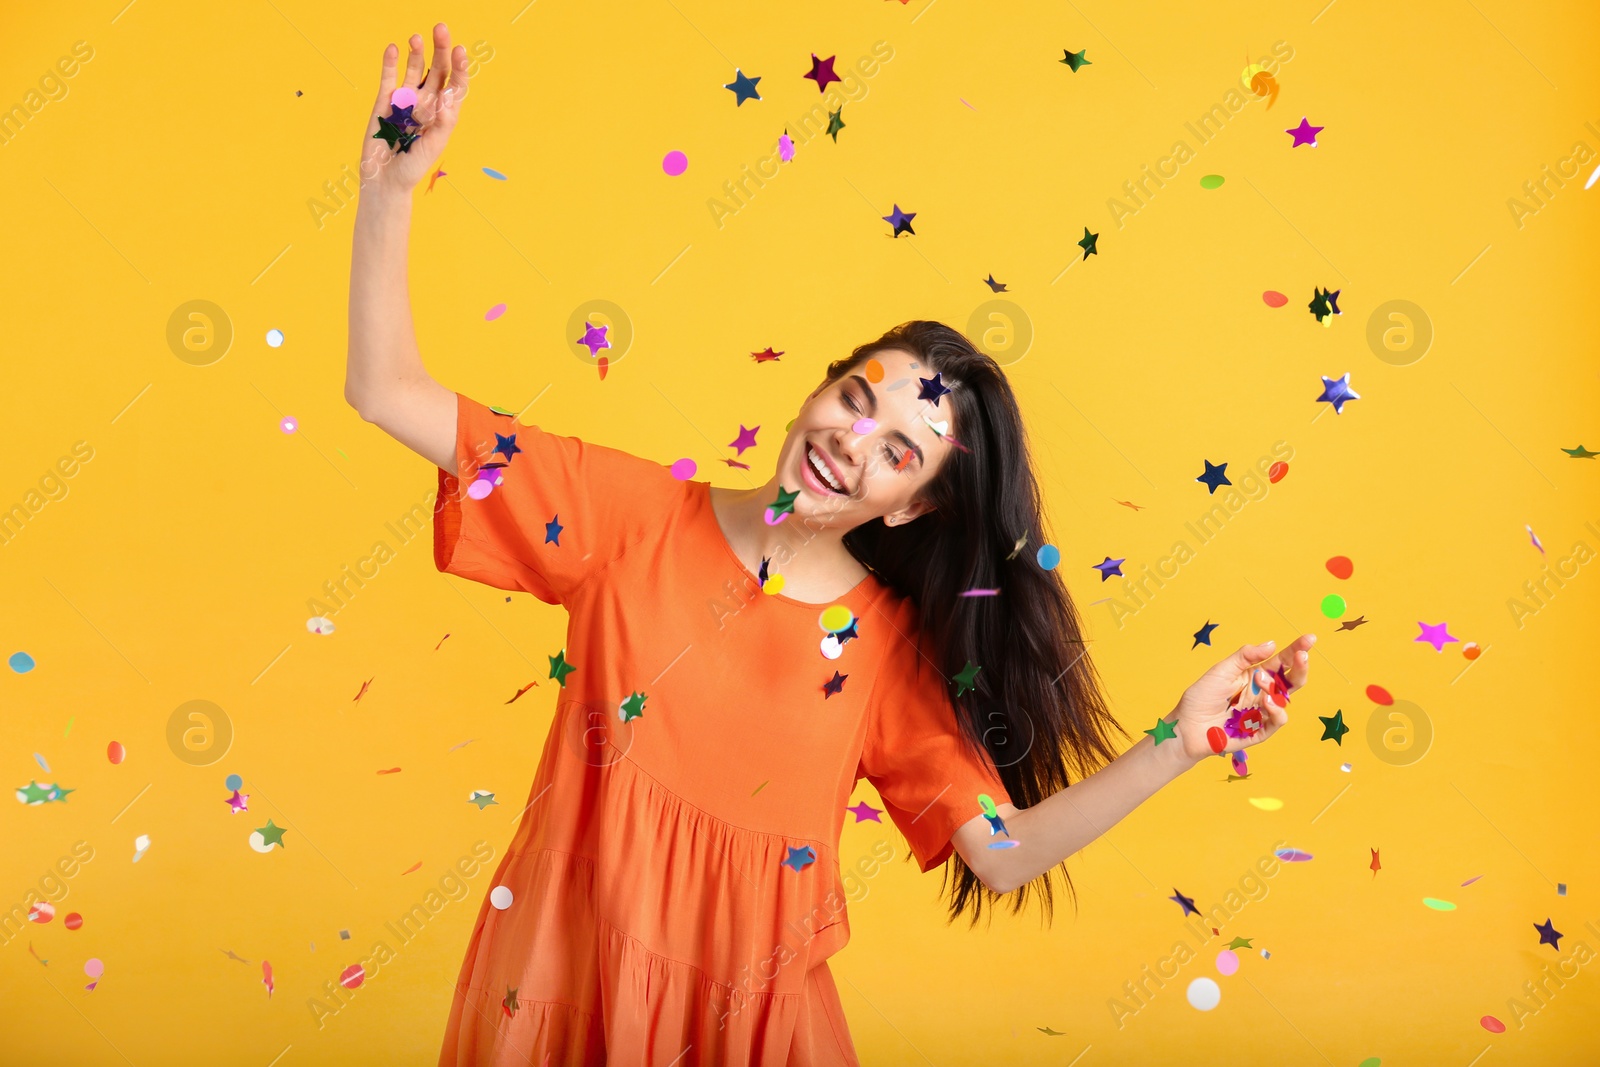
(1036, 706)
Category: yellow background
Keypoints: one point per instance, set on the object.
(179, 166)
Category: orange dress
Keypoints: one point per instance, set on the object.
(676, 881)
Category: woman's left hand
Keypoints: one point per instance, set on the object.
(1205, 705)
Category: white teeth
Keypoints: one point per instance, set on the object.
(822, 470)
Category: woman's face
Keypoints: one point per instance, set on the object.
(871, 441)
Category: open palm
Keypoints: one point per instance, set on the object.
(438, 105)
(1210, 701)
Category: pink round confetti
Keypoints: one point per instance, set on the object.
(480, 488)
(1227, 962)
(494, 313)
(288, 425)
(94, 968)
(785, 148)
(864, 426)
(684, 469)
(675, 163)
(771, 521)
(405, 96)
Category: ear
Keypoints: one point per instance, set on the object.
(913, 510)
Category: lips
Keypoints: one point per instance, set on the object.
(823, 471)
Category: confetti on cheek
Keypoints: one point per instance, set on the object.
(864, 426)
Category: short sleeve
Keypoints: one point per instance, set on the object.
(564, 508)
(915, 754)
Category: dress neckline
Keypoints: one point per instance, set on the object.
(710, 517)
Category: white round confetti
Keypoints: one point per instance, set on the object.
(500, 897)
(1204, 994)
(320, 624)
(274, 338)
(141, 842)
(831, 647)
(258, 842)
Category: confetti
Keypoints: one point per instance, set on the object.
(1379, 695)
(835, 618)
(1561, 889)
(41, 912)
(1437, 635)
(288, 425)
(1340, 567)
(1305, 133)
(1337, 391)
(1267, 803)
(1471, 650)
(513, 700)
(40, 761)
(233, 781)
(1276, 472)
(21, 662)
(496, 175)
(1292, 855)
(274, 338)
(73, 921)
(1474, 878)
(391, 770)
(866, 426)
(494, 313)
(980, 592)
(1049, 557)
(874, 371)
(352, 976)
(1212, 181)
(1489, 1022)
(1274, 299)
(1227, 962)
(94, 968)
(141, 845)
(319, 624)
(266, 977)
(684, 469)
(500, 896)
(1204, 994)
(1438, 905)
(116, 753)
(463, 744)
(675, 163)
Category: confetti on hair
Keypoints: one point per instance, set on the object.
(981, 592)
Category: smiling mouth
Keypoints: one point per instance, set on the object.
(824, 473)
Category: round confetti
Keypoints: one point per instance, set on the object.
(288, 425)
(1227, 962)
(789, 427)
(864, 426)
(1333, 605)
(1276, 472)
(1267, 803)
(832, 648)
(480, 488)
(1292, 855)
(601, 365)
(405, 96)
(233, 782)
(773, 520)
(116, 753)
(1471, 650)
(319, 624)
(675, 163)
(21, 662)
(353, 976)
(494, 313)
(1274, 299)
(1204, 994)
(1438, 905)
(1491, 1024)
(874, 371)
(94, 968)
(1370, 1061)
(500, 897)
(1049, 557)
(773, 585)
(496, 175)
(258, 842)
(42, 912)
(1379, 695)
(1212, 181)
(1341, 567)
(684, 469)
(835, 618)
(72, 921)
(274, 338)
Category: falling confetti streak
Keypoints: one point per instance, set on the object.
(42, 763)
(408, 870)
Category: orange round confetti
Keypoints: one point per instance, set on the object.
(602, 364)
(1276, 472)
(1379, 695)
(874, 371)
(1274, 299)
(1341, 567)
(1471, 650)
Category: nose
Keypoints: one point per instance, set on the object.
(851, 445)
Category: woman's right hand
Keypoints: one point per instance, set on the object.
(437, 108)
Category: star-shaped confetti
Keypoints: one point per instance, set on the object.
(743, 87)
(1017, 548)
(994, 286)
(594, 338)
(1351, 624)
(1202, 636)
(1076, 59)
(440, 173)
(1580, 453)
(1305, 133)
(1187, 903)
(394, 136)
(800, 858)
(1549, 935)
(785, 502)
(506, 445)
(1438, 636)
(849, 632)
(932, 388)
(482, 799)
(901, 221)
(1215, 476)
(509, 1004)
(238, 802)
(1088, 243)
(746, 438)
(967, 677)
(1333, 728)
(1324, 303)
(835, 124)
(272, 834)
(560, 668)
(834, 685)
(1375, 865)
(1337, 391)
(1046, 1031)
(633, 707)
(1110, 566)
(821, 72)
(33, 793)
(552, 531)
(766, 355)
(736, 463)
(1534, 539)
(865, 812)
(1161, 731)
(1240, 942)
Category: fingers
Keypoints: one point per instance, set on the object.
(414, 60)
(1247, 657)
(386, 80)
(441, 57)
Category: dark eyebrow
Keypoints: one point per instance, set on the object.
(872, 398)
(911, 446)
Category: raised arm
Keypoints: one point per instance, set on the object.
(384, 377)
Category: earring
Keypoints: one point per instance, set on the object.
(891, 520)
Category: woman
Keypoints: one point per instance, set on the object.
(675, 877)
